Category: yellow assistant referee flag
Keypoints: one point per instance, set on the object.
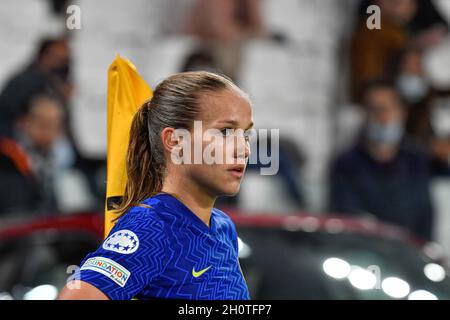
(127, 91)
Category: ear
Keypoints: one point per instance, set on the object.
(168, 139)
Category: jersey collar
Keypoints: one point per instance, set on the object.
(180, 208)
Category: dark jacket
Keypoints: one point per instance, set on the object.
(395, 192)
(16, 94)
(20, 191)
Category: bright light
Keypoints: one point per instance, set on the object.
(434, 272)
(43, 292)
(362, 279)
(310, 224)
(336, 268)
(5, 296)
(292, 223)
(434, 250)
(422, 295)
(334, 226)
(395, 287)
(244, 250)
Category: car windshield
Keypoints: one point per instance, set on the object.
(321, 265)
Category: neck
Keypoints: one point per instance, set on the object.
(192, 196)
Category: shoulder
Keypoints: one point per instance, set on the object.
(415, 155)
(413, 149)
(220, 215)
(222, 220)
(225, 225)
(132, 256)
(13, 158)
(138, 215)
(140, 223)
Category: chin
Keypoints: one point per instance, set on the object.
(230, 192)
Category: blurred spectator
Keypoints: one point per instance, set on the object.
(403, 23)
(59, 7)
(48, 72)
(428, 25)
(32, 158)
(384, 174)
(427, 22)
(199, 60)
(222, 26)
(416, 92)
(420, 97)
(372, 50)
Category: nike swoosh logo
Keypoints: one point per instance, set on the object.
(197, 274)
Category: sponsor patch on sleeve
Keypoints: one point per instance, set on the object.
(109, 268)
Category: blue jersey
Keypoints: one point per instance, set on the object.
(166, 251)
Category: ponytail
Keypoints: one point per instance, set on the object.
(143, 170)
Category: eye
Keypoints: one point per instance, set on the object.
(226, 132)
(248, 134)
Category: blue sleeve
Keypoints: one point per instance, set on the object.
(131, 257)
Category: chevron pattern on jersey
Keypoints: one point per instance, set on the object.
(173, 245)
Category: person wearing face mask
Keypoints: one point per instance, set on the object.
(34, 157)
(413, 87)
(48, 72)
(385, 174)
(420, 97)
(415, 90)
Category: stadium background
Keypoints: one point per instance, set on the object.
(294, 57)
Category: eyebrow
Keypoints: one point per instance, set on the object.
(235, 123)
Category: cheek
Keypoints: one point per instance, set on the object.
(227, 150)
(217, 150)
(229, 146)
(215, 179)
(207, 173)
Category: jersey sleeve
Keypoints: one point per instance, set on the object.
(131, 257)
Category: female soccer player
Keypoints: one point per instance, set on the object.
(169, 241)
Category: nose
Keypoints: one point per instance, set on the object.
(242, 150)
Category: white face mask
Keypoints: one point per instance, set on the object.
(413, 88)
(388, 134)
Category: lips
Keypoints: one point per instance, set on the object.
(237, 171)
